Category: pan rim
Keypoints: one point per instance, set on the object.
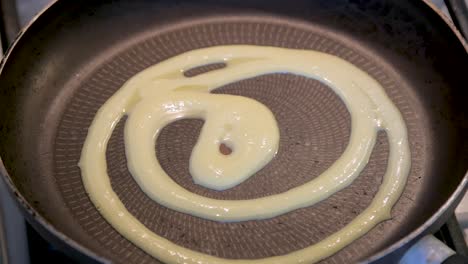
(26, 207)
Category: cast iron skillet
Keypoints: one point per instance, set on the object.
(77, 53)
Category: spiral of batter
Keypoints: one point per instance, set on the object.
(162, 94)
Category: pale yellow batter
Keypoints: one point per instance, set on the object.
(161, 94)
(232, 120)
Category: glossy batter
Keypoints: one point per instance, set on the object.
(161, 94)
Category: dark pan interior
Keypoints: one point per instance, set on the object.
(77, 55)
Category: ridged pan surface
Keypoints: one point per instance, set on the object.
(314, 125)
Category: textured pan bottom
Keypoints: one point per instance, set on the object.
(314, 126)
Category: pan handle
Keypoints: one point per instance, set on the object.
(458, 10)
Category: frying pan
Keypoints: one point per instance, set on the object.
(76, 54)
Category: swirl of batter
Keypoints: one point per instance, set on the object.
(161, 94)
